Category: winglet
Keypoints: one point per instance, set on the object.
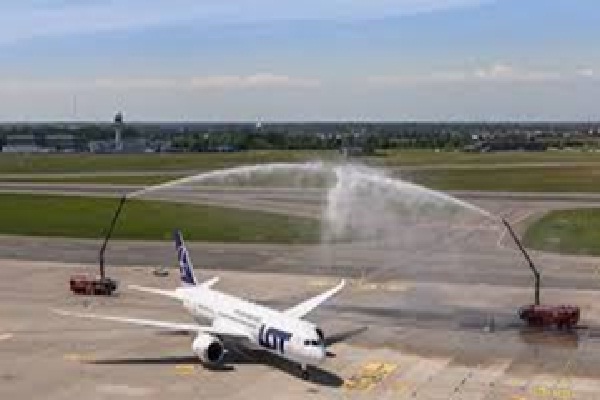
(209, 283)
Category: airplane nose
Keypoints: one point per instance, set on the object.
(322, 354)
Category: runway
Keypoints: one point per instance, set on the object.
(302, 202)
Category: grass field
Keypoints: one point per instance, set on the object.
(568, 178)
(566, 171)
(429, 157)
(567, 231)
(100, 179)
(520, 179)
(57, 163)
(148, 220)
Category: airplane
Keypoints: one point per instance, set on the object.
(284, 333)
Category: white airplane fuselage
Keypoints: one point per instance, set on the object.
(268, 329)
(283, 333)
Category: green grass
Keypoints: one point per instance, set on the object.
(520, 179)
(100, 179)
(549, 178)
(430, 157)
(86, 217)
(567, 231)
(64, 163)
(578, 178)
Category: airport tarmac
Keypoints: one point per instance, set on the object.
(431, 315)
(431, 338)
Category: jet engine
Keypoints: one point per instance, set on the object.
(208, 348)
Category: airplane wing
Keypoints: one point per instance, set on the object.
(162, 292)
(173, 326)
(307, 306)
(172, 293)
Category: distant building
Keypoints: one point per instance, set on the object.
(22, 143)
(485, 146)
(24, 148)
(64, 142)
(119, 144)
(136, 145)
(355, 151)
(42, 143)
(101, 146)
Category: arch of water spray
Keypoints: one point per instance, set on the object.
(357, 202)
(242, 174)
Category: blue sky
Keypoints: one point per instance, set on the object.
(310, 60)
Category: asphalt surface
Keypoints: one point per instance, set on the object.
(302, 202)
(438, 305)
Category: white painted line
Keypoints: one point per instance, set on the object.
(6, 336)
(515, 222)
(124, 390)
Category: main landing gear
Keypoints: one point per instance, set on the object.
(304, 372)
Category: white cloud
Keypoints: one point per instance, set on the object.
(131, 83)
(30, 18)
(586, 72)
(210, 82)
(505, 72)
(252, 81)
(499, 72)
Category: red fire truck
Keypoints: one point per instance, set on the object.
(87, 285)
(100, 285)
(562, 316)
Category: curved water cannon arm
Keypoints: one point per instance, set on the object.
(536, 274)
(109, 233)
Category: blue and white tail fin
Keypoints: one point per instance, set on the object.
(186, 269)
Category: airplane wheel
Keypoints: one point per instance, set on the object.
(304, 373)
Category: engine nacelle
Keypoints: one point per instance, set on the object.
(208, 348)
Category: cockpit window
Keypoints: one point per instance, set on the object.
(318, 342)
(321, 336)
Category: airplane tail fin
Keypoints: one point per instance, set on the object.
(186, 269)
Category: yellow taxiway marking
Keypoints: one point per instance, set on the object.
(370, 375)
(6, 336)
(401, 387)
(543, 391)
(78, 357)
(185, 369)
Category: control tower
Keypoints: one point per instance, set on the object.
(118, 125)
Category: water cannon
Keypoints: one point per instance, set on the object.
(536, 274)
(98, 285)
(109, 234)
(563, 316)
